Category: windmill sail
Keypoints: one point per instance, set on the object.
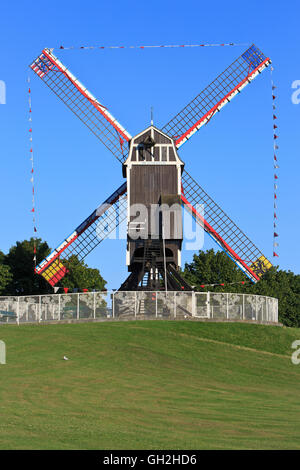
(82, 103)
(223, 230)
(98, 226)
(221, 91)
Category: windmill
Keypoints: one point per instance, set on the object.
(155, 176)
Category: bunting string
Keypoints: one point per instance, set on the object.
(275, 166)
(33, 209)
(154, 46)
(222, 284)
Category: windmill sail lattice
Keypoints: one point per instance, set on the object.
(223, 230)
(227, 85)
(98, 226)
(81, 102)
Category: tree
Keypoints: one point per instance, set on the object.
(5, 274)
(20, 261)
(210, 267)
(81, 276)
(24, 281)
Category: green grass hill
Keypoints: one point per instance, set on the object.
(149, 385)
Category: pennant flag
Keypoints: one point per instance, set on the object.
(275, 136)
(275, 244)
(275, 158)
(276, 177)
(274, 117)
(275, 254)
(66, 289)
(274, 97)
(276, 234)
(85, 290)
(275, 216)
(56, 289)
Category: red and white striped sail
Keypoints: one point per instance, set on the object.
(86, 236)
(82, 103)
(216, 95)
(223, 230)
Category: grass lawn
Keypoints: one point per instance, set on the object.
(149, 385)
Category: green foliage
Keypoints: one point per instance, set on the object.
(81, 276)
(5, 275)
(285, 286)
(20, 261)
(210, 267)
(17, 276)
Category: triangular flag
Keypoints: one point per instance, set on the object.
(56, 289)
(85, 290)
(275, 196)
(66, 289)
(274, 97)
(274, 117)
(275, 136)
(273, 87)
(275, 158)
(276, 166)
(276, 234)
(275, 254)
(275, 244)
(276, 147)
(276, 177)
(275, 186)
(275, 127)
(275, 216)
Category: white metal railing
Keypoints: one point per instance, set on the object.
(139, 305)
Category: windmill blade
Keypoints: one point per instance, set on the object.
(223, 230)
(220, 92)
(82, 103)
(86, 236)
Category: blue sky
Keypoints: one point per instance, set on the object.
(232, 157)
